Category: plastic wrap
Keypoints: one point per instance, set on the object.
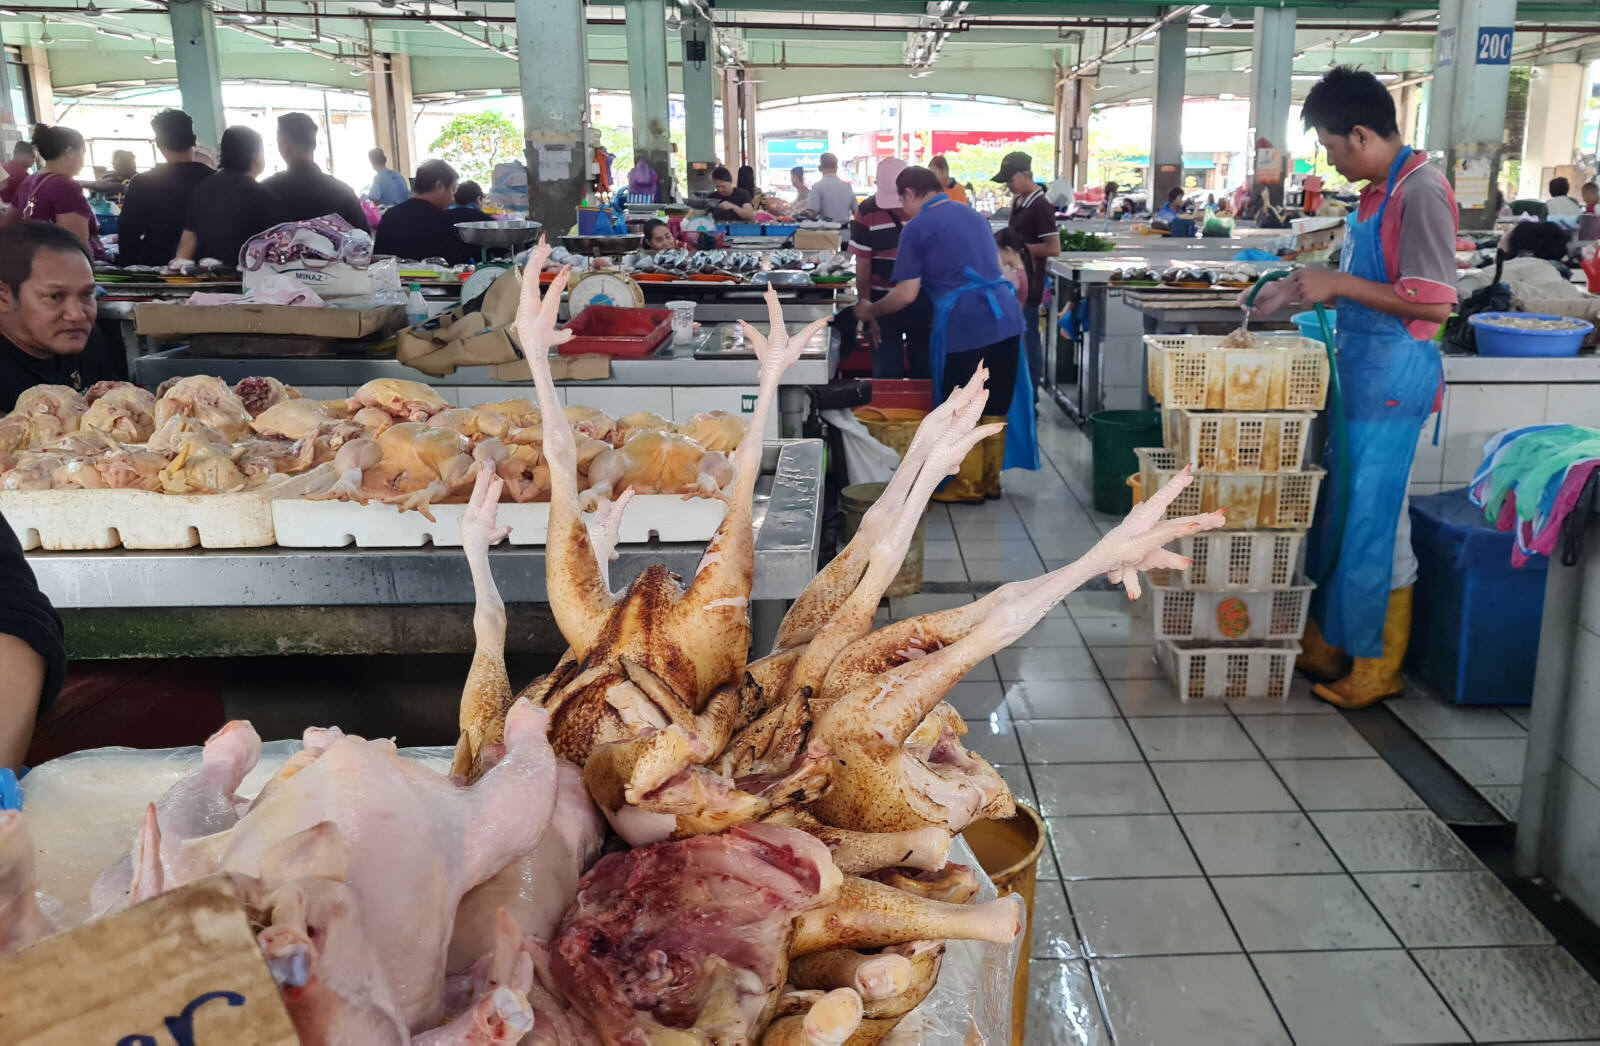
(84, 812)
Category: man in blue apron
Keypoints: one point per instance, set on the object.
(947, 249)
(1396, 284)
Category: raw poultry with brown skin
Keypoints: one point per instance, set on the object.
(782, 873)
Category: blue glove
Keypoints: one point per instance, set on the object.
(10, 791)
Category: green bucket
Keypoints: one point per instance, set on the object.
(1113, 435)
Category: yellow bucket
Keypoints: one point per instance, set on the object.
(891, 426)
(855, 501)
(1009, 851)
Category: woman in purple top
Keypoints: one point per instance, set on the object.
(52, 194)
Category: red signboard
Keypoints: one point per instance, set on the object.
(919, 146)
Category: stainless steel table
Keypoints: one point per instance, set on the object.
(788, 509)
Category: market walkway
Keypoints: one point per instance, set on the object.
(1222, 875)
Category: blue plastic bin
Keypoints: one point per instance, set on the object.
(1475, 626)
(1509, 341)
(1310, 328)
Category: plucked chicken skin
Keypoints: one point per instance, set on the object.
(401, 399)
(409, 465)
(120, 410)
(716, 430)
(42, 415)
(207, 400)
(657, 463)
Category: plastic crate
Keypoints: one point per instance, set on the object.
(1231, 671)
(1476, 618)
(1188, 613)
(1228, 441)
(1227, 561)
(615, 331)
(1195, 371)
(1253, 500)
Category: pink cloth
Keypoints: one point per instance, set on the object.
(1544, 542)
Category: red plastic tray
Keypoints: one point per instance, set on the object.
(910, 393)
(614, 331)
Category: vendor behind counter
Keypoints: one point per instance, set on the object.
(423, 226)
(47, 313)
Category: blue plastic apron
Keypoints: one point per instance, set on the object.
(1022, 435)
(1390, 380)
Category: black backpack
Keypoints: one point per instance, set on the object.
(1459, 335)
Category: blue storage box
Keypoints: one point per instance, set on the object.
(744, 229)
(1475, 626)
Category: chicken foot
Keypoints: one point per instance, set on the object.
(487, 693)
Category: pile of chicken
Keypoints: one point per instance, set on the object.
(778, 873)
(394, 441)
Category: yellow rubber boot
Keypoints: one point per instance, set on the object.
(1318, 658)
(1375, 678)
(966, 486)
(994, 456)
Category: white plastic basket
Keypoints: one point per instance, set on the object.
(1253, 500)
(1187, 613)
(1230, 441)
(1195, 371)
(1236, 560)
(1231, 671)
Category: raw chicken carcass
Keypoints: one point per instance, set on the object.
(409, 465)
(640, 421)
(208, 400)
(42, 415)
(201, 466)
(590, 422)
(118, 409)
(510, 421)
(690, 936)
(716, 430)
(401, 399)
(294, 419)
(408, 841)
(21, 921)
(258, 394)
(656, 463)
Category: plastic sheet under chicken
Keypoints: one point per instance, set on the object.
(84, 811)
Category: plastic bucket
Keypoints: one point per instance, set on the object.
(682, 321)
(855, 501)
(1009, 852)
(1310, 328)
(894, 427)
(1114, 435)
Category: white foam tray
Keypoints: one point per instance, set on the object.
(336, 524)
(78, 520)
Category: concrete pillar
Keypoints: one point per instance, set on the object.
(13, 125)
(646, 28)
(1074, 98)
(699, 88)
(1166, 133)
(1555, 118)
(553, 71)
(393, 125)
(747, 102)
(1271, 79)
(194, 44)
(732, 113)
(37, 60)
(1405, 104)
(1467, 117)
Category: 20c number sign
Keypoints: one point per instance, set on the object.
(1494, 45)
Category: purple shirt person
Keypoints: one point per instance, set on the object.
(52, 195)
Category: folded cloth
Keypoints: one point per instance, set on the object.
(1530, 480)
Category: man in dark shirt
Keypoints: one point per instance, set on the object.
(231, 206)
(730, 203)
(1033, 217)
(19, 167)
(901, 347)
(303, 191)
(47, 312)
(422, 227)
(157, 200)
(33, 656)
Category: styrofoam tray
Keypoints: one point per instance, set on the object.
(77, 520)
(335, 524)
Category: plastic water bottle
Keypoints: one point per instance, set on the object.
(416, 308)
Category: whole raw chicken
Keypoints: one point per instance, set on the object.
(201, 466)
(657, 463)
(208, 400)
(409, 465)
(258, 394)
(715, 430)
(401, 399)
(640, 421)
(588, 422)
(42, 415)
(118, 409)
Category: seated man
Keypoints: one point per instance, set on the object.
(47, 313)
(423, 227)
(33, 658)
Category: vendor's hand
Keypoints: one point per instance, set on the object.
(871, 333)
(864, 313)
(1272, 297)
(1318, 286)
(181, 265)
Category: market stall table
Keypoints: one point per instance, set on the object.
(257, 600)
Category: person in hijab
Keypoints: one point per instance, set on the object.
(643, 184)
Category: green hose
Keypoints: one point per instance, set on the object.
(1329, 550)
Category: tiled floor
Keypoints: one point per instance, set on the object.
(1484, 745)
(1230, 875)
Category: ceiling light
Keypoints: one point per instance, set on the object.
(1197, 50)
(1225, 19)
(1199, 9)
(480, 23)
(1306, 77)
(248, 18)
(1387, 77)
(1364, 37)
(118, 33)
(8, 12)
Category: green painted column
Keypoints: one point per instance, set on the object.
(647, 85)
(699, 90)
(194, 45)
(553, 72)
(1166, 132)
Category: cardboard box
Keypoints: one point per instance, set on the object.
(184, 967)
(816, 239)
(162, 319)
(589, 367)
(334, 280)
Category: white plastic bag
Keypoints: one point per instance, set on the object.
(865, 459)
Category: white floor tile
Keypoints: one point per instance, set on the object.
(1485, 760)
(1055, 934)
(1222, 787)
(1157, 697)
(1043, 664)
(1127, 662)
(1178, 738)
(1077, 741)
(1062, 1008)
(1516, 993)
(1149, 917)
(1338, 998)
(1257, 844)
(1451, 909)
(1347, 784)
(1116, 631)
(1433, 718)
(1393, 841)
(978, 699)
(996, 742)
(1302, 913)
(1306, 737)
(1195, 1000)
(1140, 846)
(1067, 789)
(1061, 699)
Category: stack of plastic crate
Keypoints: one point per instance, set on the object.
(1229, 625)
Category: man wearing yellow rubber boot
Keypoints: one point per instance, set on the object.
(947, 249)
(1395, 285)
